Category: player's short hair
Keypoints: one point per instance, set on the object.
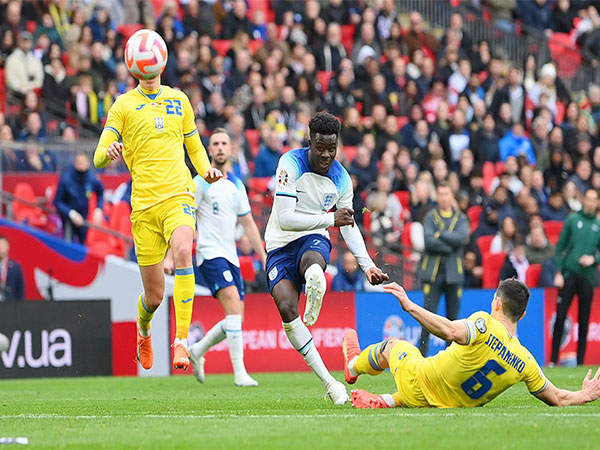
(220, 130)
(515, 296)
(324, 123)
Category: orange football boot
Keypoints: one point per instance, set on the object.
(145, 354)
(363, 399)
(181, 357)
(351, 348)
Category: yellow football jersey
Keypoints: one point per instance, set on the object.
(476, 373)
(153, 128)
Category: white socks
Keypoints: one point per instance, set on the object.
(315, 268)
(302, 341)
(212, 337)
(233, 329)
(351, 367)
(389, 399)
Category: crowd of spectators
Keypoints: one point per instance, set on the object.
(418, 106)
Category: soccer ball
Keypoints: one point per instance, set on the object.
(4, 343)
(146, 54)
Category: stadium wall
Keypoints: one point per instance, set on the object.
(70, 273)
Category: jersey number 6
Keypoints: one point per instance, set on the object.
(480, 378)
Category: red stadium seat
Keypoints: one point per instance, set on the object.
(247, 268)
(102, 244)
(404, 197)
(324, 77)
(254, 45)
(349, 152)
(553, 229)
(499, 167)
(474, 213)
(532, 276)
(484, 243)
(29, 214)
(367, 221)
(222, 46)
(402, 120)
(489, 173)
(405, 240)
(253, 137)
(492, 264)
(347, 37)
(120, 211)
(127, 29)
(259, 184)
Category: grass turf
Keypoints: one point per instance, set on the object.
(286, 411)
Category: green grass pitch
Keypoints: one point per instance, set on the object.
(285, 411)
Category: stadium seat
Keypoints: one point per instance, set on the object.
(489, 173)
(402, 120)
(532, 276)
(253, 137)
(119, 211)
(347, 37)
(499, 166)
(259, 184)
(405, 240)
(324, 77)
(254, 45)
(349, 152)
(127, 29)
(247, 268)
(492, 264)
(32, 215)
(474, 213)
(484, 243)
(222, 46)
(553, 229)
(404, 197)
(102, 244)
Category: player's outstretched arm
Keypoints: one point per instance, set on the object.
(448, 330)
(253, 234)
(107, 150)
(590, 391)
(199, 159)
(356, 245)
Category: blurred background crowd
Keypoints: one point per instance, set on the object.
(420, 102)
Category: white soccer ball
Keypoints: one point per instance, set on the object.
(146, 54)
(4, 343)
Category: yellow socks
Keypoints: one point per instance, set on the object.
(144, 316)
(368, 361)
(183, 299)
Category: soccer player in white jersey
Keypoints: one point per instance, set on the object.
(309, 183)
(218, 208)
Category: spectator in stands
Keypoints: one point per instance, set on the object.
(515, 264)
(13, 20)
(76, 185)
(473, 269)
(54, 87)
(485, 141)
(516, 143)
(583, 175)
(538, 189)
(349, 277)
(10, 158)
(502, 13)
(268, 156)
(34, 129)
(236, 20)
(446, 235)
(367, 40)
(538, 248)
(506, 239)
(456, 139)
(12, 284)
(257, 111)
(36, 159)
(536, 16)
(383, 233)
(198, 17)
(576, 265)
(421, 197)
(562, 17)
(24, 72)
(418, 39)
(331, 53)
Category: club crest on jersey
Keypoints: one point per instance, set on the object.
(328, 201)
(283, 178)
(159, 124)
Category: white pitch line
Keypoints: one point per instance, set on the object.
(279, 416)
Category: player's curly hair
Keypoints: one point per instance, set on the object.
(515, 297)
(324, 123)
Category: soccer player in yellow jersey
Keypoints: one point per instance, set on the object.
(150, 125)
(484, 359)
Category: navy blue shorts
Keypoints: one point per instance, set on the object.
(220, 273)
(284, 263)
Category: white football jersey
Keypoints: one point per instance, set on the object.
(218, 206)
(315, 194)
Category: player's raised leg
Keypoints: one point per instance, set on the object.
(312, 266)
(153, 280)
(183, 292)
(286, 298)
(372, 360)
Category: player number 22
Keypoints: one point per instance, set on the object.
(479, 384)
(174, 107)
